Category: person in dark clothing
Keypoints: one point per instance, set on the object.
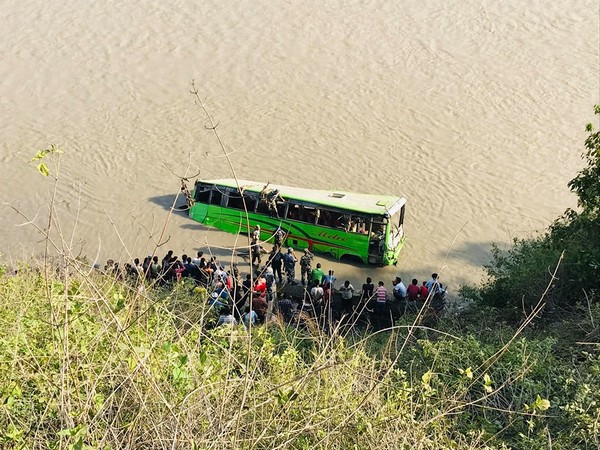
(239, 298)
(260, 305)
(247, 284)
(285, 308)
(191, 270)
(306, 267)
(146, 267)
(255, 251)
(368, 289)
(276, 260)
(166, 261)
(289, 262)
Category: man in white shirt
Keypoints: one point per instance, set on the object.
(434, 286)
(317, 293)
(400, 291)
(347, 291)
(198, 258)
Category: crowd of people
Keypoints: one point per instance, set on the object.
(274, 288)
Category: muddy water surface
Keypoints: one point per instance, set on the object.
(474, 111)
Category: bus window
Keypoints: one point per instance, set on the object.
(363, 225)
(281, 209)
(309, 214)
(263, 208)
(251, 203)
(216, 197)
(327, 218)
(235, 201)
(293, 212)
(378, 225)
(350, 223)
(202, 194)
(355, 224)
(345, 222)
(398, 218)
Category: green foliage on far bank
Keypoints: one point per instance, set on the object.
(561, 266)
(90, 363)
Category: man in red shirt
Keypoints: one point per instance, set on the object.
(260, 305)
(260, 285)
(413, 290)
(424, 291)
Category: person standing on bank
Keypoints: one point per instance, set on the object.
(306, 267)
(434, 286)
(276, 260)
(367, 290)
(278, 237)
(347, 292)
(318, 274)
(289, 263)
(381, 297)
(255, 251)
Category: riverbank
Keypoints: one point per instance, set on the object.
(90, 361)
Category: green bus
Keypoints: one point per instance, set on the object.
(343, 224)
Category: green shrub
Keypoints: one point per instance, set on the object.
(88, 362)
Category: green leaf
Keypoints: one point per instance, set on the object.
(282, 396)
(14, 433)
(40, 155)
(67, 432)
(43, 169)
(78, 445)
(468, 372)
(426, 378)
(487, 383)
(542, 404)
(202, 357)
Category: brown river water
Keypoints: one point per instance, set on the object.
(472, 110)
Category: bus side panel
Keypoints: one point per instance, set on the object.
(301, 235)
(207, 214)
(233, 221)
(198, 212)
(336, 242)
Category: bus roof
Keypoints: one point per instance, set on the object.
(351, 201)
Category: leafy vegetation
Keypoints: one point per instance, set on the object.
(90, 363)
